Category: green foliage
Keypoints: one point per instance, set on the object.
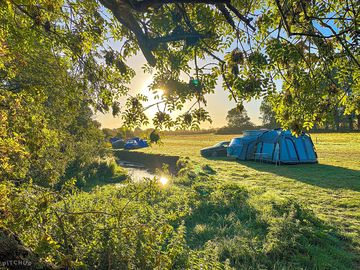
(46, 119)
(98, 172)
(109, 133)
(192, 223)
(134, 115)
(128, 226)
(268, 115)
(239, 119)
(192, 120)
(154, 136)
(310, 47)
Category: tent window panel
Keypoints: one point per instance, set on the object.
(250, 151)
(242, 151)
(299, 143)
(291, 149)
(238, 150)
(258, 147)
(310, 149)
(283, 151)
(267, 150)
(259, 151)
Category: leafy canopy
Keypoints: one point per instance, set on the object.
(310, 47)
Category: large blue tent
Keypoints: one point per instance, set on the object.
(277, 146)
(282, 147)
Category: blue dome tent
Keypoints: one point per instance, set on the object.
(276, 146)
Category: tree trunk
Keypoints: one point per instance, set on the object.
(336, 119)
(351, 123)
(14, 255)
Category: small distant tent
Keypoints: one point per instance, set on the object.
(280, 146)
(114, 139)
(276, 146)
(135, 143)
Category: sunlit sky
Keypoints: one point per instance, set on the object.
(218, 103)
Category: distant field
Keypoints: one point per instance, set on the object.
(331, 188)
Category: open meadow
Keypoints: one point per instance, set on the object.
(331, 189)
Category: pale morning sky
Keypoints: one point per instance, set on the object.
(218, 103)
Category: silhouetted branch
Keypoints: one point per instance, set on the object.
(225, 12)
(240, 16)
(176, 37)
(143, 5)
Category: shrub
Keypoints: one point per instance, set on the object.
(193, 223)
(102, 171)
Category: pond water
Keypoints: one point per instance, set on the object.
(137, 171)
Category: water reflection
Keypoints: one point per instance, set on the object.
(139, 174)
(136, 171)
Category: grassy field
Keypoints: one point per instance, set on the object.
(331, 188)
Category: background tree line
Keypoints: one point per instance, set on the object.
(238, 120)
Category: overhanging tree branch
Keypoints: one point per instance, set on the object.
(123, 12)
(143, 5)
(240, 16)
(225, 12)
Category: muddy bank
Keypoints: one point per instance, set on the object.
(150, 161)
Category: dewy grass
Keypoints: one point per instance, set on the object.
(216, 214)
(331, 189)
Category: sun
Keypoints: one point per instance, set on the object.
(159, 92)
(163, 180)
(149, 93)
(152, 109)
